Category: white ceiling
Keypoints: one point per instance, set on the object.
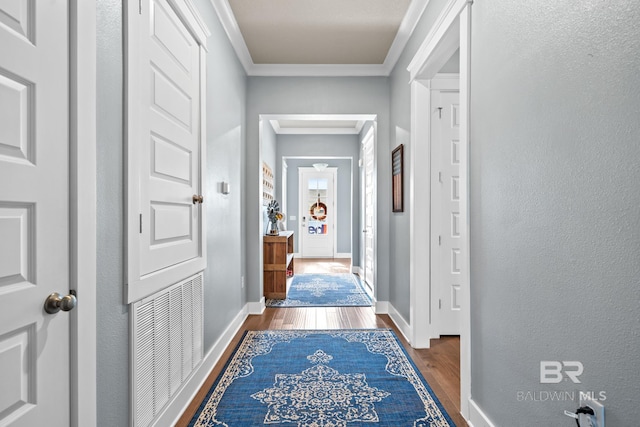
(319, 37)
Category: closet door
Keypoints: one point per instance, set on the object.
(165, 148)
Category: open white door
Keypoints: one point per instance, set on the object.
(369, 208)
(34, 213)
(446, 252)
(317, 212)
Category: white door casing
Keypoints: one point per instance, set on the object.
(317, 203)
(369, 208)
(446, 252)
(166, 82)
(450, 32)
(35, 224)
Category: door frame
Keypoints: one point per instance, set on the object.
(440, 83)
(82, 209)
(301, 209)
(451, 31)
(371, 133)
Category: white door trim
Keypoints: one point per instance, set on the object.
(452, 31)
(83, 219)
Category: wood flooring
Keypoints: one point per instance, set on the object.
(440, 364)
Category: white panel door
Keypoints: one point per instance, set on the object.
(169, 140)
(369, 208)
(34, 212)
(317, 212)
(445, 193)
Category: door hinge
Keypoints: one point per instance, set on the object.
(440, 304)
(140, 7)
(440, 112)
(140, 223)
(439, 240)
(440, 177)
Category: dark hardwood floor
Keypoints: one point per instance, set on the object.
(440, 364)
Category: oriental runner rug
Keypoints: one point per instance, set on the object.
(321, 378)
(324, 290)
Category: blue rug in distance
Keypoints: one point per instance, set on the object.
(321, 378)
(324, 290)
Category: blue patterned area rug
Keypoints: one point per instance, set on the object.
(324, 290)
(339, 378)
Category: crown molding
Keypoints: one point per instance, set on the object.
(413, 15)
(230, 25)
(232, 29)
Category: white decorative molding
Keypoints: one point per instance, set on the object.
(183, 398)
(256, 307)
(342, 255)
(231, 27)
(408, 24)
(477, 417)
(445, 32)
(444, 81)
(189, 13)
(381, 307)
(452, 31)
(399, 321)
(83, 208)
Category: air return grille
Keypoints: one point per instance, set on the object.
(167, 346)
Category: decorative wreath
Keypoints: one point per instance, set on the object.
(318, 211)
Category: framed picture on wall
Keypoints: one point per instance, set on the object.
(397, 159)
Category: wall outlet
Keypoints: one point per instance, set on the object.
(596, 420)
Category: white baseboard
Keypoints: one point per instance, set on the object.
(342, 255)
(402, 325)
(256, 307)
(183, 398)
(357, 270)
(477, 418)
(382, 307)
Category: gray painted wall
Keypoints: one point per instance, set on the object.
(302, 95)
(224, 298)
(348, 212)
(112, 318)
(400, 107)
(555, 197)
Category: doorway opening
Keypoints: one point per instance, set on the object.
(290, 145)
(452, 33)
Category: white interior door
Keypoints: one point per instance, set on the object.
(369, 208)
(170, 139)
(446, 274)
(317, 212)
(34, 212)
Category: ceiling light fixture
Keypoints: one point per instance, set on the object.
(320, 166)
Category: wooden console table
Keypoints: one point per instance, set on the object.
(278, 258)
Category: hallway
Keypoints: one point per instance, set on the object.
(440, 365)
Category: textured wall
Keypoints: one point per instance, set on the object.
(224, 296)
(112, 317)
(302, 95)
(555, 205)
(400, 107)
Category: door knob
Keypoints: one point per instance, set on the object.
(197, 199)
(56, 302)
